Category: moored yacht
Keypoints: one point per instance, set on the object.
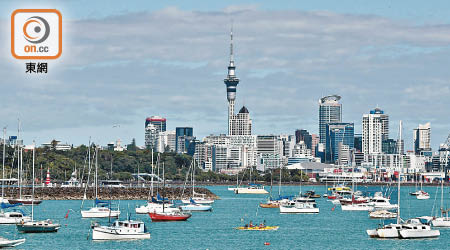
(297, 207)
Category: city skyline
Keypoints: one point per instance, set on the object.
(183, 80)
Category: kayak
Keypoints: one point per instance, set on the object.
(258, 228)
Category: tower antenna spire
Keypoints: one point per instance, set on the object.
(231, 45)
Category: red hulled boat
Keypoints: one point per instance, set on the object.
(171, 216)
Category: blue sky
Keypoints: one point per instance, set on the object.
(125, 60)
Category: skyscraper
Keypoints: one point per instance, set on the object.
(153, 126)
(241, 124)
(181, 134)
(375, 130)
(231, 82)
(422, 138)
(303, 135)
(158, 121)
(338, 134)
(330, 111)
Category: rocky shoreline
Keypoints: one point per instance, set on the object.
(105, 193)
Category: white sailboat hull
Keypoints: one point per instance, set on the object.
(196, 208)
(96, 212)
(284, 210)
(250, 191)
(356, 207)
(155, 208)
(423, 197)
(419, 233)
(106, 233)
(441, 222)
(199, 201)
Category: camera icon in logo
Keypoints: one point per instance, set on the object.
(36, 34)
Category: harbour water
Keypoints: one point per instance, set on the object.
(215, 230)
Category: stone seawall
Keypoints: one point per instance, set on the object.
(72, 193)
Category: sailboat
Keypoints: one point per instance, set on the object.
(299, 205)
(412, 228)
(16, 215)
(155, 205)
(166, 216)
(354, 205)
(25, 199)
(275, 203)
(252, 188)
(443, 220)
(3, 199)
(193, 205)
(101, 209)
(422, 195)
(43, 226)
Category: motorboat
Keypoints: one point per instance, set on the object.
(9, 214)
(10, 243)
(382, 214)
(297, 207)
(13, 217)
(121, 230)
(413, 226)
(415, 193)
(72, 182)
(382, 203)
(169, 216)
(44, 226)
(417, 231)
(357, 207)
(423, 195)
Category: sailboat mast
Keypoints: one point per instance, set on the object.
(399, 172)
(151, 188)
(164, 186)
(279, 184)
(32, 187)
(193, 179)
(3, 167)
(21, 173)
(96, 172)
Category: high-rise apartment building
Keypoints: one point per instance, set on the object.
(375, 130)
(330, 111)
(422, 139)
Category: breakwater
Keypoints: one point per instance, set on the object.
(115, 193)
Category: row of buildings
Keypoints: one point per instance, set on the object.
(337, 144)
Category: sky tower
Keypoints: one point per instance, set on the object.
(231, 81)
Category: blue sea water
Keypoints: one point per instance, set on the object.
(215, 230)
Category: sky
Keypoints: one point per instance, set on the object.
(123, 61)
